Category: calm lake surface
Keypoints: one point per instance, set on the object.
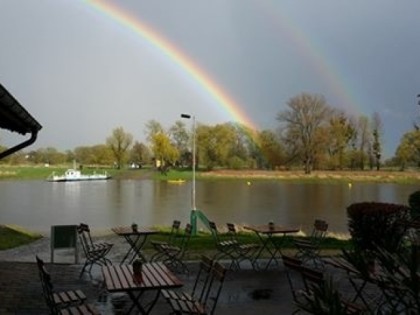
(37, 205)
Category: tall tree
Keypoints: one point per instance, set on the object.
(215, 144)
(119, 142)
(271, 149)
(305, 115)
(140, 153)
(376, 139)
(408, 151)
(180, 137)
(153, 127)
(364, 139)
(163, 150)
(340, 132)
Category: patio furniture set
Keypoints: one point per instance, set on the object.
(137, 276)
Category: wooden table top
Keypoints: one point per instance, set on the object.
(271, 229)
(154, 276)
(127, 230)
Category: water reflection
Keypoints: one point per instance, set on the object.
(38, 204)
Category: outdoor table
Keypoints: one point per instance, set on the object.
(266, 233)
(154, 278)
(136, 239)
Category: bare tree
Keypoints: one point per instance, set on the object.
(304, 118)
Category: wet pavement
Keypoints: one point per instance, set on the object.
(244, 292)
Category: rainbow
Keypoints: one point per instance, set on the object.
(176, 56)
(313, 53)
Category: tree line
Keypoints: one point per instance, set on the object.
(311, 134)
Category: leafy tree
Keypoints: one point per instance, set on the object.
(271, 149)
(376, 139)
(339, 132)
(408, 151)
(140, 153)
(163, 149)
(101, 154)
(214, 144)
(305, 115)
(181, 139)
(363, 137)
(119, 143)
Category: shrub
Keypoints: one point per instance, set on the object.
(414, 203)
(377, 224)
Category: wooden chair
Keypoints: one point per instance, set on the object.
(308, 249)
(208, 298)
(199, 286)
(294, 278)
(157, 245)
(244, 251)
(95, 253)
(226, 248)
(62, 302)
(172, 255)
(314, 281)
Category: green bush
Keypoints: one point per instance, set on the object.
(414, 203)
(377, 224)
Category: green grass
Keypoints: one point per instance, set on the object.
(42, 172)
(11, 237)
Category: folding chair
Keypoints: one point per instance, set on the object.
(199, 286)
(225, 248)
(62, 302)
(294, 278)
(206, 304)
(172, 254)
(94, 252)
(244, 251)
(308, 249)
(315, 281)
(168, 242)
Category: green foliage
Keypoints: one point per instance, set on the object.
(377, 224)
(414, 202)
(323, 300)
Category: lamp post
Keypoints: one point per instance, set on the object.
(193, 215)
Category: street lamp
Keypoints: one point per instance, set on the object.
(193, 216)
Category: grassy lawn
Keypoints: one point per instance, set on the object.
(200, 244)
(11, 237)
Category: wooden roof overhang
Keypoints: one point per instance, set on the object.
(15, 118)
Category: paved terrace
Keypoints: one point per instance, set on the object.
(244, 292)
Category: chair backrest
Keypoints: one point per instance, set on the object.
(186, 237)
(176, 224)
(202, 278)
(319, 230)
(232, 232)
(312, 278)
(214, 287)
(47, 287)
(214, 232)
(293, 273)
(85, 238)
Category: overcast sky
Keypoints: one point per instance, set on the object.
(81, 72)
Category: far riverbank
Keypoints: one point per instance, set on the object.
(383, 176)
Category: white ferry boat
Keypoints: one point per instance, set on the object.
(73, 175)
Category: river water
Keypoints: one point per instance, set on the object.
(37, 205)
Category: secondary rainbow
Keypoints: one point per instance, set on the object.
(175, 55)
